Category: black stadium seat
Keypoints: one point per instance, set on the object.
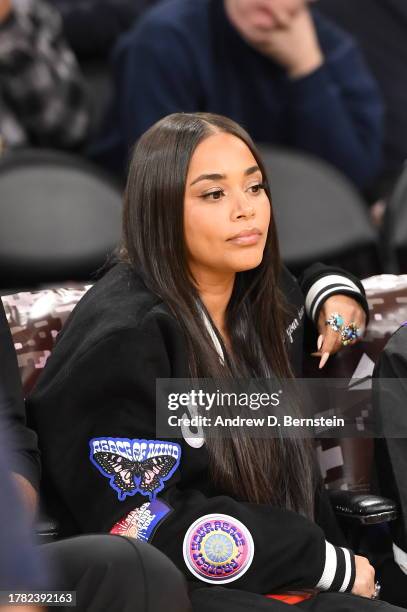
(395, 227)
(320, 215)
(60, 218)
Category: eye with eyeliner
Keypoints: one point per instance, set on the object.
(209, 194)
(259, 187)
(218, 193)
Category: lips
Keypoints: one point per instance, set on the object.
(246, 237)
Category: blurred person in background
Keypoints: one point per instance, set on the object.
(24, 456)
(389, 404)
(279, 68)
(91, 27)
(43, 100)
(380, 27)
(21, 568)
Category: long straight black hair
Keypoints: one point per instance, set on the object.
(273, 471)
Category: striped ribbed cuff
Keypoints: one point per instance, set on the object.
(326, 286)
(339, 570)
(400, 558)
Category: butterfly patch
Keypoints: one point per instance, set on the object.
(135, 466)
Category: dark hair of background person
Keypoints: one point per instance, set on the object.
(261, 471)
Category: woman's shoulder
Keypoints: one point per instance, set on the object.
(118, 302)
(120, 291)
(117, 328)
(119, 299)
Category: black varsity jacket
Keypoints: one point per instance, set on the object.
(94, 411)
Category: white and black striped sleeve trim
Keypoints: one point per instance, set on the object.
(339, 570)
(328, 285)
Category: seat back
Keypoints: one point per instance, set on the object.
(320, 215)
(394, 237)
(60, 217)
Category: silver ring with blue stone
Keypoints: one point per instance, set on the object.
(335, 321)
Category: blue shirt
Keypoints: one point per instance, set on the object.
(21, 566)
(187, 56)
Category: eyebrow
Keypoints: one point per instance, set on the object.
(218, 177)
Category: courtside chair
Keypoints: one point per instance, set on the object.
(319, 213)
(394, 232)
(60, 218)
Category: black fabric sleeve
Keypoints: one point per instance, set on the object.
(109, 392)
(25, 458)
(21, 566)
(392, 362)
(389, 395)
(318, 282)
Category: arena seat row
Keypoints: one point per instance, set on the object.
(60, 218)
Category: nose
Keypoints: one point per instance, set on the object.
(242, 208)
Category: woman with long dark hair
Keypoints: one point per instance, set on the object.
(199, 291)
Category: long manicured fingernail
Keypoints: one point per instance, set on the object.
(323, 361)
(320, 341)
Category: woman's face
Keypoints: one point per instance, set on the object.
(226, 210)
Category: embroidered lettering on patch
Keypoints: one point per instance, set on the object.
(142, 522)
(295, 323)
(218, 548)
(135, 466)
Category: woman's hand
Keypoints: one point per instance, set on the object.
(330, 341)
(364, 584)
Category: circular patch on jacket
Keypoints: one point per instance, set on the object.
(218, 548)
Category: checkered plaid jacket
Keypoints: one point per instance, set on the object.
(43, 98)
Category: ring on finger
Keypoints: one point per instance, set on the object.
(377, 589)
(349, 333)
(335, 321)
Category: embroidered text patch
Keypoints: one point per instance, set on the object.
(218, 548)
(135, 466)
(142, 522)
